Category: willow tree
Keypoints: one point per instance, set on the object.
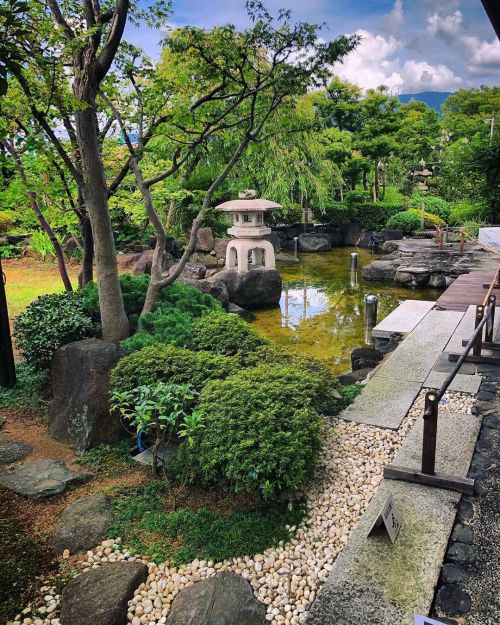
(216, 87)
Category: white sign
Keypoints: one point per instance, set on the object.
(389, 518)
(425, 620)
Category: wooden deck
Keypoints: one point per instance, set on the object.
(467, 290)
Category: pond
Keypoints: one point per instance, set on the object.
(321, 311)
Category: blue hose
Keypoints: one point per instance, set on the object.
(139, 440)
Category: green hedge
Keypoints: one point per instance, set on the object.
(327, 398)
(433, 205)
(261, 434)
(167, 363)
(224, 334)
(406, 221)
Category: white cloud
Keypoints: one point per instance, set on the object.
(374, 63)
(445, 26)
(395, 19)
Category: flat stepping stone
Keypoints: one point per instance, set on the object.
(83, 524)
(461, 383)
(12, 451)
(101, 596)
(384, 402)
(41, 478)
(403, 319)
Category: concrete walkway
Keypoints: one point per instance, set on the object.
(374, 581)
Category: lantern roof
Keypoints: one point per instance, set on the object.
(246, 202)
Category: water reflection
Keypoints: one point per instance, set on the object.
(321, 308)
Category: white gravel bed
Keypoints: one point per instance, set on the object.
(285, 578)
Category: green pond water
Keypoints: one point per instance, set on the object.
(321, 310)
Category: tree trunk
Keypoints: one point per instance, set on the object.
(375, 183)
(365, 182)
(114, 321)
(86, 274)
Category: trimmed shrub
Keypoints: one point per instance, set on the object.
(49, 322)
(405, 221)
(336, 213)
(327, 398)
(188, 299)
(167, 363)
(430, 221)
(465, 211)
(133, 290)
(164, 325)
(224, 334)
(261, 434)
(374, 215)
(433, 205)
(7, 220)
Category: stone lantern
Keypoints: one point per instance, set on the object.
(249, 250)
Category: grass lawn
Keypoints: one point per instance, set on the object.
(27, 278)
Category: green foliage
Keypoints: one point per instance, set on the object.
(336, 213)
(406, 221)
(6, 220)
(261, 433)
(9, 251)
(181, 536)
(464, 211)
(106, 458)
(433, 205)
(374, 215)
(163, 325)
(29, 390)
(166, 363)
(41, 243)
(327, 399)
(224, 334)
(349, 394)
(188, 299)
(430, 221)
(49, 322)
(133, 288)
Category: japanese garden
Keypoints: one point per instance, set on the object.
(247, 313)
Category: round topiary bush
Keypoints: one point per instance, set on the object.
(430, 221)
(163, 325)
(224, 334)
(167, 363)
(49, 322)
(327, 399)
(261, 434)
(406, 221)
(434, 205)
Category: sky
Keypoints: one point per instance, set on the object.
(408, 45)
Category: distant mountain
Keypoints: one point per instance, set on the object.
(433, 99)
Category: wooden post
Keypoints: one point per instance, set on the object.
(476, 350)
(462, 240)
(490, 324)
(422, 219)
(430, 433)
(7, 366)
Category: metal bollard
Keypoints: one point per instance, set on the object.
(371, 311)
(354, 261)
(295, 245)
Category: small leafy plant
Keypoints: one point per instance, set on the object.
(41, 243)
(161, 410)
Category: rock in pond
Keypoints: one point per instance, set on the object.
(79, 413)
(225, 599)
(365, 358)
(241, 312)
(256, 288)
(83, 524)
(287, 259)
(101, 596)
(41, 478)
(314, 242)
(12, 451)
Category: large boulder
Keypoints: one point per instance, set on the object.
(275, 240)
(351, 233)
(79, 413)
(192, 271)
(204, 240)
(257, 288)
(220, 247)
(212, 286)
(145, 260)
(100, 596)
(41, 478)
(314, 242)
(365, 358)
(225, 599)
(380, 270)
(83, 524)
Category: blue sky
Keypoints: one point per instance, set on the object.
(409, 45)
